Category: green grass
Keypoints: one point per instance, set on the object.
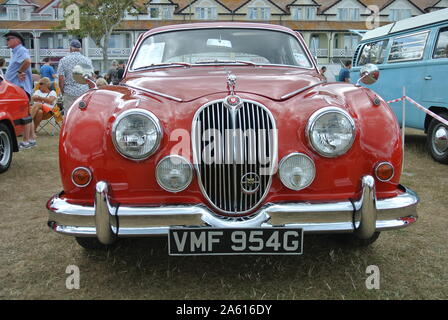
(413, 262)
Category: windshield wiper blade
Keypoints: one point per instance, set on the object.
(226, 61)
(161, 65)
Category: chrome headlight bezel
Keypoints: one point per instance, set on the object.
(315, 117)
(189, 180)
(149, 115)
(295, 154)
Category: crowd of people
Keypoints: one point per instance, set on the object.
(43, 90)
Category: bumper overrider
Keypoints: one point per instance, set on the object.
(108, 221)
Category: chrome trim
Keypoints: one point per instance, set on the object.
(293, 93)
(196, 161)
(365, 210)
(153, 92)
(152, 118)
(90, 174)
(439, 139)
(312, 120)
(104, 214)
(364, 216)
(292, 155)
(182, 159)
(376, 171)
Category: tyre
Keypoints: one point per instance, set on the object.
(92, 244)
(5, 148)
(437, 139)
(351, 239)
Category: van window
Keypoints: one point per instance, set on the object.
(409, 47)
(441, 50)
(373, 52)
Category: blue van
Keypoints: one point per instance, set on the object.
(412, 53)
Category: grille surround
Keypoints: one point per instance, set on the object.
(272, 145)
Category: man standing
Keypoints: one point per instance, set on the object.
(47, 71)
(344, 74)
(19, 73)
(120, 71)
(70, 89)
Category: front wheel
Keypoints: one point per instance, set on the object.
(5, 148)
(437, 139)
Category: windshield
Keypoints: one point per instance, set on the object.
(198, 46)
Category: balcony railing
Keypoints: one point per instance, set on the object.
(343, 53)
(112, 52)
(54, 52)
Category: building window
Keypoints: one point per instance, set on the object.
(13, 13)
(259, 13)
(310, 14)
(3, 12)
(154, 13)
(206, 13)
(399, 14)
(348, 14)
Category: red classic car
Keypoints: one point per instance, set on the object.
(14, 113)
(225, 138)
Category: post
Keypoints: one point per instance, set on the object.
(403, 123)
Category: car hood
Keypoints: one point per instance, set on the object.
(190, 83)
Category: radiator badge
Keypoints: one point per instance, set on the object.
(250, 183)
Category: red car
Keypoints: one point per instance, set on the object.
(225, 138)
(14, 113)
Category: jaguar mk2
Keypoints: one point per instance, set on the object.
(225, 139)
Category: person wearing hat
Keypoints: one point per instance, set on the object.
(19, 73)
(70, 89)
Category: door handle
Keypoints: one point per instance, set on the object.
(428, 78)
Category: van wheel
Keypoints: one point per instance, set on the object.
(92, 244)
(5, 148)
(437, 139)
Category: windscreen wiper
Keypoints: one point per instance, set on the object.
(226, 61)
(161, 65)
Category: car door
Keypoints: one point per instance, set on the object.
(435, 87)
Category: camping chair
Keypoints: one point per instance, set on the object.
(52, 121)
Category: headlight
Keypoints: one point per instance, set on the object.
(331, 131)
(174, 173)
(136, 134)
(297, 171)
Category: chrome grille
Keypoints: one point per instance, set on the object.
(233, 151)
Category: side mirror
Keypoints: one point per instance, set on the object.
(369, 74)
(82, 74)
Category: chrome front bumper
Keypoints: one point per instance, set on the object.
(107, 221)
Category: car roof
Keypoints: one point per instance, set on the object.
(408, 24)
(204, 25)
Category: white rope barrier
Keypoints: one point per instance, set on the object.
(432, 114)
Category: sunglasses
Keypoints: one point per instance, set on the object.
(10, 38)
(42, 83)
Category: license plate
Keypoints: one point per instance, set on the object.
(216, 241)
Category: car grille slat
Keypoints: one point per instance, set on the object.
(244, 139)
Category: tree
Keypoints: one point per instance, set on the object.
(98, 19)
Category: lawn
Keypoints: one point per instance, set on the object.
(413, 262)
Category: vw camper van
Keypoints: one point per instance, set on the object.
(412, 53)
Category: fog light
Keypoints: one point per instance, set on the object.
(174, 173)
(81, 177)
(384, 171)
(297, 171)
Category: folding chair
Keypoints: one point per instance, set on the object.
(52, 124)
